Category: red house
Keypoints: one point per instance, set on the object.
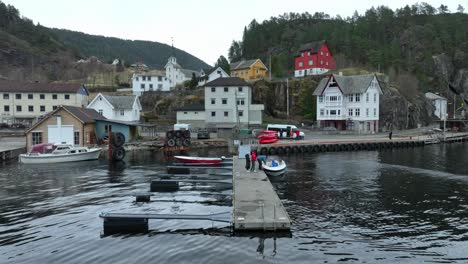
(314, 58)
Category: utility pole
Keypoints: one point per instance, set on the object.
(269, 70)
(287, 97)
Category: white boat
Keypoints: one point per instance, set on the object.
(273, 167)
(51, 153)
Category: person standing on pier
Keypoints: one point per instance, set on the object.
(390, 135)
(253, 157)
(247, 162)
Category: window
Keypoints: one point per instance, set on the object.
(241, 101)
(358, 97)
(67, 97)
(213, 101)
(241, 113)
(322, 112)
(54, 107)
(226, 113)
(31, 108)
(321, 61)
(76, 137)
(18, 108)
(256, 71)
(350, 112)
(302, 54)
(367, 97)
(375, 111)
(213, 113)
(149, 78)
(321, 99)
(54, 96)
(326, 54)
(136, 78)
(30, 96)
(367, 111)
(226, 89)
(100, 111)
(18, 96)
(224, 101)
(358, 111)
(308, 53)
(311, 62)
(142, 86)
(185, 113)
(333, 98)
(326, 63)
(151, 86)
(6, 108)
(122, 112)
(350, 97)
(240, 89)
(339, 112)
(107, 128)
(300, 64)
(213, 89)
(144, 78)
(375, 97)
(36, 138)
(159, 78)
(6, 96)
(42, 108)
(42, 96)
(321, 53)
(333, 112)
(159, 86)
(368, 126)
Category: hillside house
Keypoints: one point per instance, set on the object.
(249, 70)
(210, 75)
(23, 102)
(313, 58)
(193, 114)
(440, 104)
(349, 102)
(150, 81)
(117, 108)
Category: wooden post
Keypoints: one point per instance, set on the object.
(109, 149)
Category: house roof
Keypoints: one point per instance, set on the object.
(347, 84)
(433, 96)
(120, 101)
(85, 115)
(314, 46)
(228, 81)
(38, 87)
(191, 107)
(151, 73)
(244, 64)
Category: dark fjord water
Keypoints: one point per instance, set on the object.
(398, 206)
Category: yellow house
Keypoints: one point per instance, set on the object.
(248, 70)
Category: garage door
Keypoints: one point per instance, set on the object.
(62, 134)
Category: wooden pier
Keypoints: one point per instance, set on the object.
(256, 206)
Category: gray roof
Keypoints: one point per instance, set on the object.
(228, 81)
(121, 102)
(433, 96)
(191, 107)
(314, 46)
(39, 87)
(244, 64)
(347, 84)
(188, 73)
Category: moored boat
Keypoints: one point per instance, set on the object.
(52, 153)
(268, 141)
(198, 160)
(274, 167)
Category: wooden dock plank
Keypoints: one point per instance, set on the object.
(256, 204)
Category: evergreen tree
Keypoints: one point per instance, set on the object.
(223, 63)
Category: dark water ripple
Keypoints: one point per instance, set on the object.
(403, 206)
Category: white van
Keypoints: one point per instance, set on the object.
(286, 131)
(182, 126)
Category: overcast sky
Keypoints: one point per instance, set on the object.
(204, 28)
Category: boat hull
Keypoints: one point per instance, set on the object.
(274, 171)
(268, 141)
(92, 154)
(198, 160)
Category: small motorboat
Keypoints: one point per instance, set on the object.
(55, 153)
(198, 160)
(273, 167)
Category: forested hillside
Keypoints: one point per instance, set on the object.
(30, 51)
(153, 54)
(390, 41)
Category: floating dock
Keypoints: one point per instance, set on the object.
(256, 206)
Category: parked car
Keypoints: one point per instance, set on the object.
(203, 134)
(18, 125)
(4, 125)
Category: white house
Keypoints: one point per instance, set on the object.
(210, 75)
(23, 102)
(440, 104)
(176, 74)
(149, 81)
(122, 108)
(349, 102)
(229, 101)
(193, 114)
